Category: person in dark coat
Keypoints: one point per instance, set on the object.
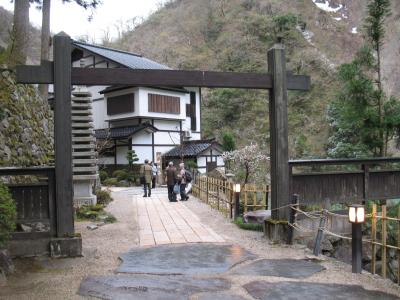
(147, 174)
(171, 178)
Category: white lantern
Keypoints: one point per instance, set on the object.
(236, 188)
(356, 213)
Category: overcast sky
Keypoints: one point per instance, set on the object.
(73, 19)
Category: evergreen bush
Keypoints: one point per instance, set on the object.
(111, 182)
(103, 197)
(8, 214)
(103, 175)
(120, 175)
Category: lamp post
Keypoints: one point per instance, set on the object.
(236, 189)
(356, 218)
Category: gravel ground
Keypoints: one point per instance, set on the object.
(44, 278)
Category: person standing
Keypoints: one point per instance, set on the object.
(182, 181)
(155, 173)
(146, 174)
(171, 178)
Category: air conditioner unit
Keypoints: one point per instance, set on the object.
(187, 134)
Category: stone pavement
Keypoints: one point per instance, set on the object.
(162, 222)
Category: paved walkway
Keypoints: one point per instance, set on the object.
(162, 222)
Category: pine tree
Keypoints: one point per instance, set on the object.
(363, 119)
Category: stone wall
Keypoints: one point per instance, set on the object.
(26, 124)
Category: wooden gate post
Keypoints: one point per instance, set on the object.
(63, 134)
(278, 132)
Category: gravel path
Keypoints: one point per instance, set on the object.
(44, 278)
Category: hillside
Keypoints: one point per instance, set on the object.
(235, 35)
(6, 20)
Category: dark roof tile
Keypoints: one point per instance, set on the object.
(122, 132)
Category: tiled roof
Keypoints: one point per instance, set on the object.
(192, 148)
(130, 60)
(122, 132)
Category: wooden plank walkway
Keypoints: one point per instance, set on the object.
(161, 222)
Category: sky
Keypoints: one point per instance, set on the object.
(73, 19)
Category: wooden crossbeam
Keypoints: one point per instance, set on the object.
(168, 78)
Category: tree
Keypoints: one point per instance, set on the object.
(20, 33)
(45, 34)
(247, 159)
(228, 142)
(378, 11)
(362, 117)
(131, 157)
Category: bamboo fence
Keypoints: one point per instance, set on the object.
(379, 238)
(219, 195)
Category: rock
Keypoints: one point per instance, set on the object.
(3, 279)
(92, 227)
(326, 245)
(6, 264)
(40, 227)
(343, 252)
(26, 228)
(257, 216)
(101, 224)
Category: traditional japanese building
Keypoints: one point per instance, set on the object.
(156, 122)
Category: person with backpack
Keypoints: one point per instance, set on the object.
(171, 178)
(182, 181)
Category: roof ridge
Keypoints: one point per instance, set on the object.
(106, 48)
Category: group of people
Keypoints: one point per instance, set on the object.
(176, 180)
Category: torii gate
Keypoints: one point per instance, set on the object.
(62, 75)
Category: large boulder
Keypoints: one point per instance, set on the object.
(257, 216)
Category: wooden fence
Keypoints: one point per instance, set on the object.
(379, 238)
(35, 204)
(219, 195)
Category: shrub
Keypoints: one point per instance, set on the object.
(111, 182)
(103, 175)
(8, 214)
(120, 174)
(103, 197)
(248, 226)
(94, 213)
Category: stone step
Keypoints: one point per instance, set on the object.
(83, 131)
(84, 146)
(82, 118)
(83, 139)
(85, 177)
(84, 161)
(85, 169)
(81, 105)
(81, 99)
(83, 154)
(82, 125)
(84, 112)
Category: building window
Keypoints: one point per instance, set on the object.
(164, 104)
(120, 104)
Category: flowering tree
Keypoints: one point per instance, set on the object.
(248, 158)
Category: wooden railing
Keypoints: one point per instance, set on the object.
(344, 180)
(219, 195)
(35, 201)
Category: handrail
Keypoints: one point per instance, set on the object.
(8, 171)
(344, 161)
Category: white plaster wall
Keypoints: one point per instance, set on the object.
(121, 155)
(142, 137)
(167, 124)
(201, 162)
(143, 152)
(172, 138)
(99, 112)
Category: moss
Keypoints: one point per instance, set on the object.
(7, 215)
(26, 125)
(276, 222)
(248, 226)
(94, 213)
